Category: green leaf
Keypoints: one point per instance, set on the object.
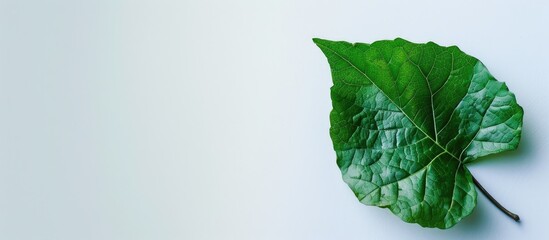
(406, 119)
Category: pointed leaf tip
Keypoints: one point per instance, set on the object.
(318, 41)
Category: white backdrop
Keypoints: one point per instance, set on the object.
(209, 119)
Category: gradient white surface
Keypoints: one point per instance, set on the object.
(209, 119)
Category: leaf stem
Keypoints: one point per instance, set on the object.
(493, 200)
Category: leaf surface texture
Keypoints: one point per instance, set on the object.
(406, 119)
